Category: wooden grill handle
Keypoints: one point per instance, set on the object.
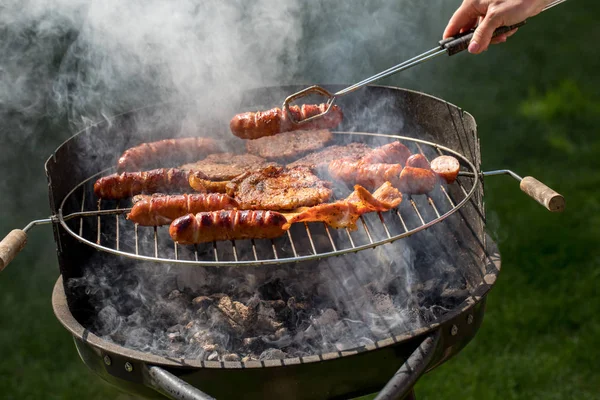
(544, 195)
(11, 245)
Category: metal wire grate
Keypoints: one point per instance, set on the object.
(102, 224)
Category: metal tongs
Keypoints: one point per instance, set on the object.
(451, 46)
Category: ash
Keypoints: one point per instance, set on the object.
(274, 312)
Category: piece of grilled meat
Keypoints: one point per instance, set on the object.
(391, 153)
(166, 152)
(227, 225)
(158, 210)
(254, 125)
(289, 144)
(370, 176)
(225, 166)
(127, 184)
(319, 161)
(278, 188)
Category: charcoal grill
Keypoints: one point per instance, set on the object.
(87, 229)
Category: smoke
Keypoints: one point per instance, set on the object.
(73, 62)
(86, 59)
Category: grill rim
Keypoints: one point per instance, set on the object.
(473, 173)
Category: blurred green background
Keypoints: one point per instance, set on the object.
(536, 100)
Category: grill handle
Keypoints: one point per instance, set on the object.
(171, 386)
(411, 370)
(11, 245)
(549, 198)
(544, 195)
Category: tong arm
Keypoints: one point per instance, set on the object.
(303, 93)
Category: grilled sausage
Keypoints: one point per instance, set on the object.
(418, 161)
(417, 180)
(446, 167)
(253, 125)
(162, 210)
(227, 225)
(391, 153)
(163, 152)
(127, 184)
(370, 176)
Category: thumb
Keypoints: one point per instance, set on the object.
(483, 34)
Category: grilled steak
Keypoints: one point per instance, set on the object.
(319, 161)
(225, 166)
(277, 188)
(289, 144)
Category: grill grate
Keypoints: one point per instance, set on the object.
(102, 224)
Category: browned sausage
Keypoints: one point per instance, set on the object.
(227, 225)
(253, 125)
(417, 180)
(164, 152)
(391, 153)
(447, 167)
(418, 161)
(127, 184)
(371, 176)
(162, 210)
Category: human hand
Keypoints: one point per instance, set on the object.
(490, 14)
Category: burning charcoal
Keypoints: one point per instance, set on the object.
(239, 316)
(175, 294)
(276, 305)
(249, 358)
(202, 302)
(272, 354)
(217, 296)
(174, 336)
(214, 356)
(109, 320)
(253, 345)
(175, 333)
(210, 348)
(274, 290)
(329, 317)
(281, 338)
(383, 303)
(453, 297)
(231, 357)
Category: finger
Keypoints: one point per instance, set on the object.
(464, 17)
(499, 39)
(483, 34)
(510, 33)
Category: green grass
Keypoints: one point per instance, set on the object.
(537, 104)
